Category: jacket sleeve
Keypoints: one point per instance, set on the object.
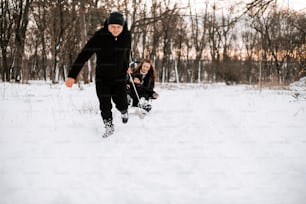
(83, 56)
(128, 54)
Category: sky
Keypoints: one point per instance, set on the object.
(295, 4)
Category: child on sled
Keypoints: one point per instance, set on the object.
(143, 80)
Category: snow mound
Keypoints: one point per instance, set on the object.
(299, 85)
(299, 88)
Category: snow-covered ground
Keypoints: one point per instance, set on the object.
(211, 144)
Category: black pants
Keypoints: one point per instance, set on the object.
(142, 92)
(111, 91)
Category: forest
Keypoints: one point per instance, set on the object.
(259, 42)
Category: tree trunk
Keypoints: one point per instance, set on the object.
(20, 34)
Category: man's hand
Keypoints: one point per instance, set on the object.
(69, 82)
(129, 70)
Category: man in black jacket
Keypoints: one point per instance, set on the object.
(112, 46)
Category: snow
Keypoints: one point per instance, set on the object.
(207, 143)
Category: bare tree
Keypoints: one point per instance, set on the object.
(250, 40)
(294, 40)
(6, 27)
(21, 20)
(59, 25)
(257, 7)
(214, 35)
(198, 36)
(83, 32)
(180, 43)
(39, 12)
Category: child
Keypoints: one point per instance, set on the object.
(144, 80)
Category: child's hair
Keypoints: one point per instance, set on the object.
(151, 70)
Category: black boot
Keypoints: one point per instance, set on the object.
(124, 116)
(109, 128)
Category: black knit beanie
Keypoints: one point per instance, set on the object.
(115, 18)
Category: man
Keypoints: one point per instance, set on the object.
(112, 46)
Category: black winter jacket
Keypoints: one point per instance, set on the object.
(112, 55)
(145, 88)
(147, 82)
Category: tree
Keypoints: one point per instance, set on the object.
(250, 40)
(198, 36)
(39, 13)
(214, 37)
(179, 53)
(6, 27)
(58, 27)
(21, 20)
(257, 7)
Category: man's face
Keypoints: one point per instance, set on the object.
(115, 29)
